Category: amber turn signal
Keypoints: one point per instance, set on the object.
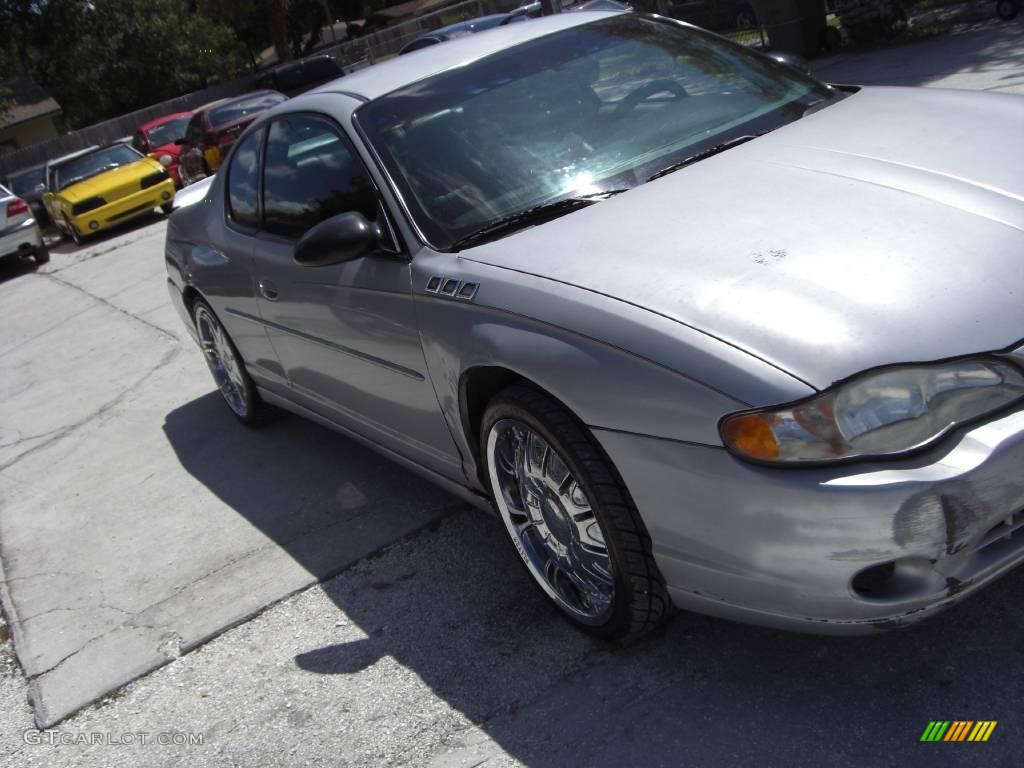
(751, 435)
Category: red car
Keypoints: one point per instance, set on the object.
(159, 137)
(214, 128)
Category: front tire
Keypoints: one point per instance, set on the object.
(570, 516)
(227, 368)
(167, 208)
(73, 233)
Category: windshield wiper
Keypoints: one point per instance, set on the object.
(538, 214)
(703, 155)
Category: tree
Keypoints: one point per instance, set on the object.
(102, 58)
(277, 12)
(248, 18)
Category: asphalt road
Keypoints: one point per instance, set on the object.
(142, 532)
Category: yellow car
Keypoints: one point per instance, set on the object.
(90, 192)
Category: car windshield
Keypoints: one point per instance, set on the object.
(25, 181)
(236, 110)
(94, 163)
(167, 133)
(598, 107)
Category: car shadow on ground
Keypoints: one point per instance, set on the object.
(14, 266)
(468, 621)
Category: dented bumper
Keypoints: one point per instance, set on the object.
(842, 550)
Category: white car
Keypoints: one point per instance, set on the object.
(19, 233)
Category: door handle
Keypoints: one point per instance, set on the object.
(268, 290)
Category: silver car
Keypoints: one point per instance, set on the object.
(20, 237)
(701, 330)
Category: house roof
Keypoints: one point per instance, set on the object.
(30, 102)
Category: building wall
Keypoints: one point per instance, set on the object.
(27, 133)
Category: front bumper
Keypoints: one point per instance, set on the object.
(787, 547)
(125, 208)
(21, 238)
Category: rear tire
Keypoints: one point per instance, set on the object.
(551, 484)
(42, 255)
(227, 367)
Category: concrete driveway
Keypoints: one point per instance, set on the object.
(138, 521)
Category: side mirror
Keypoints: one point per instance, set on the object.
(791, 60)
(344, 237)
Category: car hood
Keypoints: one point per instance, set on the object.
(112, 184)
(171, 149)
(886, 228)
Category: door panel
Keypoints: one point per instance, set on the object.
(347, 334)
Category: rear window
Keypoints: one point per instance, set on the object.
(237, 110)
(26, 181)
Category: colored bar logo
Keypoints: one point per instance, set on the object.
(959, 730)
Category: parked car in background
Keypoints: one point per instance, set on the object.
(462, 28)
(297, 77)
(106, 187)
(160, 138)
(715, 15)
(51, 169)
(29, 184)
(19, 231)
(214, 128)
(698, 328)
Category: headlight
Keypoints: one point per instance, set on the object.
(882, 413)
(165, 160)
(89, 204)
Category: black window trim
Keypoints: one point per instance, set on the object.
(229, 221)
(400, 250)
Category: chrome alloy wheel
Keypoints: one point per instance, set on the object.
(551, 521)
(224, 365)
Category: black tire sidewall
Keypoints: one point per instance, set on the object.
(504, 407)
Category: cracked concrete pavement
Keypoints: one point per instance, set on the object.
(140, 525)
(138, 520)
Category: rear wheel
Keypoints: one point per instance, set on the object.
(42, 254)
(570, 516)
(227, 368)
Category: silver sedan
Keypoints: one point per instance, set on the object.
(700, 330)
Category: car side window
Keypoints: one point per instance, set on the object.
(192, 133)
(243, 181)
(311, 173)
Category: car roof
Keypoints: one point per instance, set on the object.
(162, 120)
(26, 169)
(390, 75)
